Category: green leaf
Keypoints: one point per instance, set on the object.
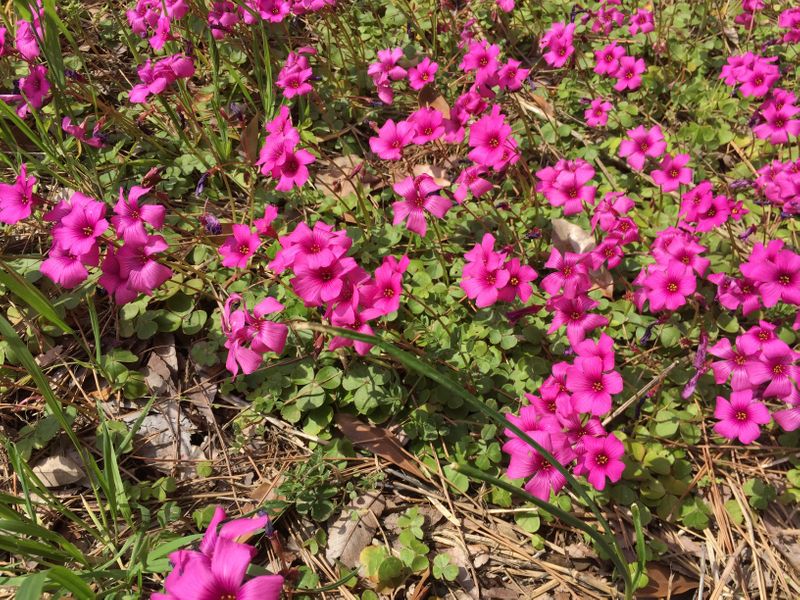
(32, 586)
(31, 296)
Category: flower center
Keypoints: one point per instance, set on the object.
(784, 279)
(739, 359)
(672, 287)
(741, 416)
(778, 370)
(601, 460)
(566, 271)
(513, 281)
(424, 77)
(673, 173)
(490, 278)
(388, 293)
(244, 249)
(427, 131)
(494, 142)
(326, 275)
(764, 336)
(597, 386)
(88, 231)
(644, 146)
(315, 248)
(575, 316)
(483, 61)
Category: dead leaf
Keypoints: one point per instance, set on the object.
(537, 104)
(665, 583)
(461, 559)
(498, 593)
(59, 469)
(337, 177)
(165, 438)
(430, 96)
(439, 174)
(354, 529)
(162, 366)
(568, 237)
(378, 441)
(50, 357)
(248, 141)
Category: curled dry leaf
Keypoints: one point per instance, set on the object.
(568, 237)
(337, 178)
(430, 96)
(355, 528)
(59, 469)
(162, 366)
(665, 583)
(378, 441)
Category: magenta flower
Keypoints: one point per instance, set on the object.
(672, 172)
(526, 462)
(113, 282)
(755, 338)
(470, 181)
(25, 40)
(778, 279)
(387, 65)
(571, 274)
(428, 125)
(569, 190)
(519, 281)
(196, 576)
(558, 41)
(239, 247)
(734, 364)
(312, 247)
(601, 460)
(778, 124)
(79, 132)
(607, 59)
(33, 88)
(419, 196)
(293, 172)
(591, 387)
(80, 229)
(603, 349)
(321, 283)
(641, 21)
(388, 286)
(510, 77)
(488, 138)
(574, 313)
(157, 77)
(294, 77)
(66, 268)
(629, 73)
(230, 530)
(391, 139)
(597, 113)
(481, 58)
(776, 366)
(130, 216)
(264, 224)
(667, 288)
(643, 143)
(422, 74)
(223, 16)
(740, 417)
(485, 280)
(17, 200)
(138, 266)
(267, 335)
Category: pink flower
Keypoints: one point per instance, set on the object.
(294, 76)
(25, 40)
(422, 74)
(778, 277)
(607, 59)
(526, 462)
(34, 88)
(428, 125)
(483, 278)
(740, 417)
(574, 313)
(66, 268)
(79, 132)
(569, 190)
(130, 216)
(643, 143)
(672, 172)
(267, 335)
(601, 460)
(391, 139)
(591, 387)
(113, 282)
(264, 224)
(734, 364)
(519, 281)
(223, 16)
(597, 113)
(157, 77)
(231, 530)
(778, 124)
(603, 349)
(387, 65)
(481, 58)
(419, 196)
(776, 366)
(558, 41)
(293, 172)
(238, 248)
(488, 138)
(17, 200)
(321, 283)
(570, 275)
(138, 266)
(385, 292)
(196, 576)
(641, 21)
(629, 73)
(312, 247)
(470, 181)
(510, 77)
(80, 229)
(667, 288)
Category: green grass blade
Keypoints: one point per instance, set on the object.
(31, 296)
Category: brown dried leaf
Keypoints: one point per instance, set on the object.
(665, 583)
(378, 441)
(430, 96)
(59, 469)
(162, 366)
(568, 237)
(355, 528)
(337, 178)
(249, 140)
(439, 174)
